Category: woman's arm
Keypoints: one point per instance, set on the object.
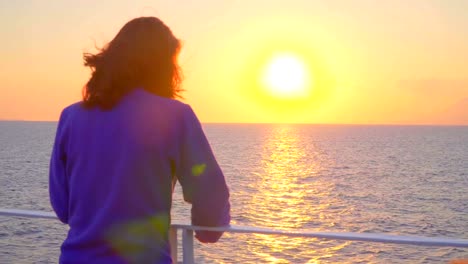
(58, 185)
(202, 180)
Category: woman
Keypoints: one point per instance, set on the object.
(119, 152)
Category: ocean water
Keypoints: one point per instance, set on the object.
(409, 180)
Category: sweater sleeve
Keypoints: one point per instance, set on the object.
(202, 180)
(58, 185)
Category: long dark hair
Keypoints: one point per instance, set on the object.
(143, 54)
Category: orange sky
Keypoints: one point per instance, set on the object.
(373, 62)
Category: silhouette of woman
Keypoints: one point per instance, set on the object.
(119, 152)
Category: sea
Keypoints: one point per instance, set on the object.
(404, 180)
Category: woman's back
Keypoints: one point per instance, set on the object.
(112, 176)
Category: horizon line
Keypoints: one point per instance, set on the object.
(278, 123)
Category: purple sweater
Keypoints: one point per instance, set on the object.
(112, 175)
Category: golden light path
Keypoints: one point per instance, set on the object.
(287, 181)
(286, 76)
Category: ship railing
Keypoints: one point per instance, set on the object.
(188, 238)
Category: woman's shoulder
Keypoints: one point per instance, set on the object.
(68, 110)
(73, 107)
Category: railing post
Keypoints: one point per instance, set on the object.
(173, 243)
(187, 246)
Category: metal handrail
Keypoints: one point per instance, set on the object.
(187, 234)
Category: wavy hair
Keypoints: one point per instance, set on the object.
(143, 54)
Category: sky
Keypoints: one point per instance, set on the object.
(371, 62)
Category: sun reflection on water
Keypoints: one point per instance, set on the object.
(291, 195)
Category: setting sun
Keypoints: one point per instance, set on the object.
(286, 76)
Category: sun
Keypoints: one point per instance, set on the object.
(286, 76)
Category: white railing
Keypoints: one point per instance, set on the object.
(187, 234)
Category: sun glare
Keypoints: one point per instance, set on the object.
(286, 76)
